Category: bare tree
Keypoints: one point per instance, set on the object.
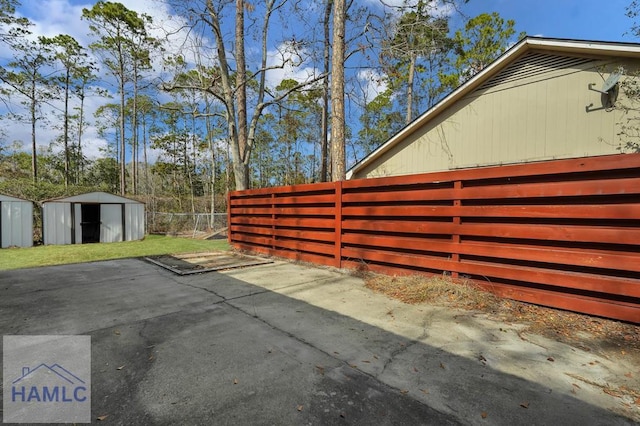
(338, 169)
(230, 86)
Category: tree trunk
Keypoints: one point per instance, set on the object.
(123, 169)
(65, 136)
(144, 154)
(412, 71)
(80, 166)
(134, 132)
(34, 147)
(338, 171)
(242, 176)
(324, 137)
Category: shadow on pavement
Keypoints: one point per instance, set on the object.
(214, 349)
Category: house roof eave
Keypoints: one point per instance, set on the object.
(519, 49)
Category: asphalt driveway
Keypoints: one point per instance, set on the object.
(289, 344)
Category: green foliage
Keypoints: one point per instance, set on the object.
(103, 173)
(632, 12)
(629, 87)
(416, 49)
(482, 40)
(285, 135)
(379, 122)
(41, 190)
(12, 27)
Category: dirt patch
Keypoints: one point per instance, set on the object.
(605, 337)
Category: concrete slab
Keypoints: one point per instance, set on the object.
(197, 263)
(291, 344)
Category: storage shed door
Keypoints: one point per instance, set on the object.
(111, 229)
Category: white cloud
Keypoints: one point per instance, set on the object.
(372, 83)
(436, 7)
(287, 62)
(53, 17)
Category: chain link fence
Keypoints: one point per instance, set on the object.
(194, 225)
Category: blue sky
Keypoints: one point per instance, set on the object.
(573, 19)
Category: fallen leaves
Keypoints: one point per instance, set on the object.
(607, 335)
(120, 368)
(300, 407)
(484, 414)
(524, 404)
(102, 417)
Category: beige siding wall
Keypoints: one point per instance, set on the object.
(526, 116)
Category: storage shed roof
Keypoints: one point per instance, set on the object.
(9, 198)
(95, 197)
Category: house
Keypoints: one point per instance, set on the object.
(91, 218)
(16, 222)
(543, 99)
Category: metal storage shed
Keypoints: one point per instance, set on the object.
(91, 218)
(16, 222)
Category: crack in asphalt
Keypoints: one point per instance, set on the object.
(227, 301)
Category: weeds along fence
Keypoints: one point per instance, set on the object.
(562, 233)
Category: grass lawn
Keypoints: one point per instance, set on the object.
(15, 258)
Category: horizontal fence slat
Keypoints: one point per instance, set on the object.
(616, 260)
(287, 190)
(283, 222)
(239, 229)
(289, 211)
(630, 186)
(394, 195)
(304, 246)
(396, 242)
(264, 241)
(563, 233)
(417, 227)
(587, 211)
(594, 306)
(614, 211)
(410, 260)
(324, 236)
(575, 280)
(288, 254)
(568, 233)
(306, 199)
(295, 200)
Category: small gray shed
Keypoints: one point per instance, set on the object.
(95, 217)
(16, 222)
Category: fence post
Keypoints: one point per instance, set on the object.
(229, 217)
(338, 225)
(273, 222)
(457, 203)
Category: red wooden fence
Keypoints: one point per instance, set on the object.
(562, 233)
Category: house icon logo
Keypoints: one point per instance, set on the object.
(46, 379)
(48, 383)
